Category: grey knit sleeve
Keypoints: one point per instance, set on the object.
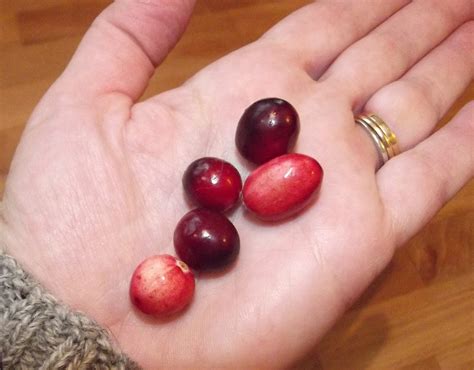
(37, 332)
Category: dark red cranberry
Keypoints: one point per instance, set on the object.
(267, 129)
(212, 183)
(206, 239)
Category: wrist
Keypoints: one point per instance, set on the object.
(37, 331)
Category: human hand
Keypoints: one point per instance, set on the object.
(95, 184)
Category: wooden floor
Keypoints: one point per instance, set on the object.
(418, 315)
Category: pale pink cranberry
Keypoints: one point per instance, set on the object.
(162, 285)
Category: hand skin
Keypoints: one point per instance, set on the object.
(95, 185)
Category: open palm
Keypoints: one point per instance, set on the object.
(95, 186)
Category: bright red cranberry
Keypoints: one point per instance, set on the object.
(267, 129)
(213, 183)
(206, 239)
(282, 187)
(161, 285)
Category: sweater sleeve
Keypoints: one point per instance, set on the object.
(38, 332)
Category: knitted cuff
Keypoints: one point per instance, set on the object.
(37, 332)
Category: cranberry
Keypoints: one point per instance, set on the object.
(161, 285)
(267, 129)
(212, 183)
(206, 239)
(282, 187)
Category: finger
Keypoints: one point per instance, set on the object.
(413, 105)
(124, 44)
(414, 185)
(387, 52)
(317, 33)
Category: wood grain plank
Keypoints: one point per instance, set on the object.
(444, 248)
(399, 277)
(9, 6)
(68, 19)
(426, 364)
(403, 330)
(460, 357)
(17, 102)
(9, 32)
(252, 22)
(25, 64)
(9, 139)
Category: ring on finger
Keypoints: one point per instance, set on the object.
(384, 138)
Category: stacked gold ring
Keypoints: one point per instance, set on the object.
(383, 137)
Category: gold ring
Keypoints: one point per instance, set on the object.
(384, 138)
(388, 134)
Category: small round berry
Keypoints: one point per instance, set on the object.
(161, 285)
(206, 239)
(212, 183)
(266, 130)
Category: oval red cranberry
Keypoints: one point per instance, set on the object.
(206, 239)
(282, 187)
(212, 183)
(266, 130)
(161, 285)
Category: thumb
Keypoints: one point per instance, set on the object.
(120, 51)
